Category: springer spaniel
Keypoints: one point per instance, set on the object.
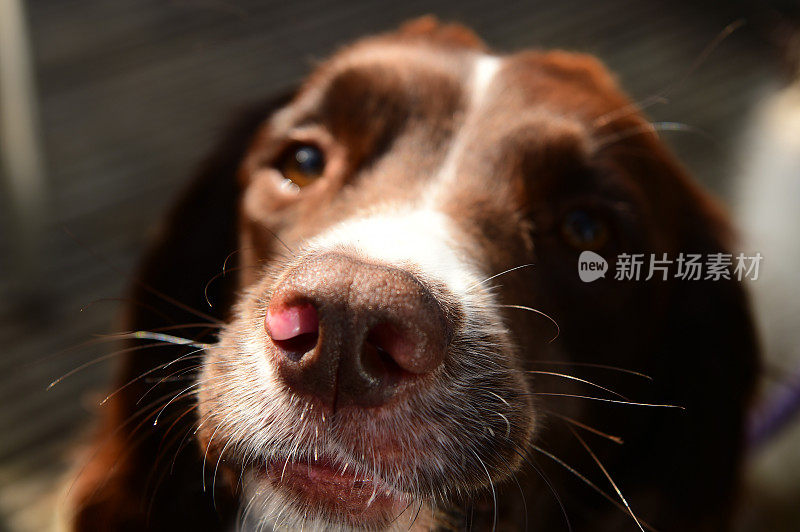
(401, 340)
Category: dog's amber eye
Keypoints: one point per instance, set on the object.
(302, 164)
(583, 230)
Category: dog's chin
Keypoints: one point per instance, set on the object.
(302, 492)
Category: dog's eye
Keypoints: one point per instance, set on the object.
(302, 164)
(583, 230)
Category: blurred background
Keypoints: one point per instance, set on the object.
(106, 106)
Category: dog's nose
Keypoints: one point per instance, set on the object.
(348, 332)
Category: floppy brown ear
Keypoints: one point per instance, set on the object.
(146, 476)
(708, 362)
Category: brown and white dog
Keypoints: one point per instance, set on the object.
(378, 354)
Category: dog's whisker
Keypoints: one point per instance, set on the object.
(108, 338)
(197, 325)
(216, 470)
(191, 431)
(608, 476)
(208, 446)
(164, 297)
(223, 273)
(513, 476)
(578, 379)
(491, 485)
(628, 110)
(176, 397)
(584, 426)
(631, 403)
(187, 411)
(591, 365)
(529, 460)
(169, 340)
(663, 95)
(495, 276)
(97, 450)
(188, 356)
(553, 321)
(588, 482)
(98, 360)
(164, 379)
(108, 438)
(650, 128)
(165, 338)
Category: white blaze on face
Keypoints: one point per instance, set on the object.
(484, 70)
(425, 239)
(422, 236)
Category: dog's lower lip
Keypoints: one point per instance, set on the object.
(337, 489)
(321, 470)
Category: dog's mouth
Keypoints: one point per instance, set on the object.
(341, 491)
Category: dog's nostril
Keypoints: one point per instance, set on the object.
(293, 328)
(383, 348)
(392, 346)
(296, 347)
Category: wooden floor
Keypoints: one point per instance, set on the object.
(132, 93)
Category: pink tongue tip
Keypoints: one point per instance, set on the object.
(290, 322)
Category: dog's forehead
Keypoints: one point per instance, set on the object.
(450, 128)
(568, 84)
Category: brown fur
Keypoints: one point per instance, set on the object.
(533, 151)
